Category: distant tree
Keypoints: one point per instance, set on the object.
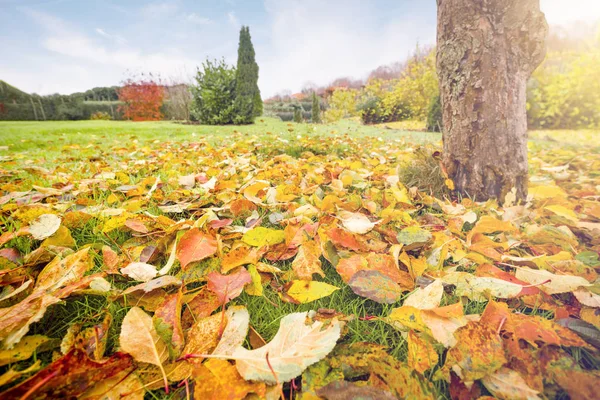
(178, 101)
(387, 72)
(298, 114)
(214, 93)
(434, 115)
(316, 109)
(248, 103)
(142, 97)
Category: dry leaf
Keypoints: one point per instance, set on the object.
(139, 339)
(140, 271)
(44, 226)
(295, 346)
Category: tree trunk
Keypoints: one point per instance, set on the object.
(486, 52)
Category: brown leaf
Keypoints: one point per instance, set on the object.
(202, 304)
(342, 390)
(478, 352)
(375, 286)
(307, 261)
(69, 376)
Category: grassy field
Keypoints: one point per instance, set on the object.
(98, 157)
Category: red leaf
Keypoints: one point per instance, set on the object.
(228, 287)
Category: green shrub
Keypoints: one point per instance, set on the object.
(316, 109)
(214, 93)
(564, 92)
(99, 115)
(372, 111)
(298, 115)
(434, 115)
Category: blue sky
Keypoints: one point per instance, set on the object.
(50, 46)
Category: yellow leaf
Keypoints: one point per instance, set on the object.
(218, 379)
(307, 291)
(24, 349)
(62, 237)
(547, 192)
(488, 224)
(564, 212)
(255, 288)
(421, 353)
(262, 236)
(449, 183)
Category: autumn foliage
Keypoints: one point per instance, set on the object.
(142, 98)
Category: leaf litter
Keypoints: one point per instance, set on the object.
(171, 246)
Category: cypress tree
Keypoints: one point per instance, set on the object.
(248, 103)
(316, 109)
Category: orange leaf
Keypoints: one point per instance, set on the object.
(195, 246)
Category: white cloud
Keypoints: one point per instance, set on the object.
(92, 63)
(321, 46)
(197, 19)
(116, 38)
(233, 20)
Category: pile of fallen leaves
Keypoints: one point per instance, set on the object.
(500, 301)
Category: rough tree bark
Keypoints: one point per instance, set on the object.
(486, 52)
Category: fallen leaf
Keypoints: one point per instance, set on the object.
(228, 287)
(261, 236)
(218, 379)
(44, 226)
(235, 332)
(480, 288)
(307, 262)
(421, 353)
(414, 237)
(25, 349)
(69, 376)
(13, 374)
(550, 283)
(375, 286)
(239, 256)
(123, 386)
(478, 352)
(306, 291)
(427, 298)
(15, 320)
(508, 384)
(342, 390)
(139, 338)
(195, 246)
(356, 222)
(140, 271)
(167, 322)
(295, 346)
(61, 272)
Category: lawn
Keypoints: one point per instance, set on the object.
(135, 192)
